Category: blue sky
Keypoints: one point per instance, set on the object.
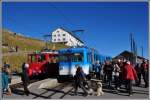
(107, 25)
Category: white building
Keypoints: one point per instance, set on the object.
(61, 35)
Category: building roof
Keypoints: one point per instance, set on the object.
(71, 34)
(126, 54)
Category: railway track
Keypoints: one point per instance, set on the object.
(20, 85)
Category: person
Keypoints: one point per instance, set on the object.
(144, 71)
(17, 48)
(80, 79)
(138, 71)
(25, 78)
(121, 66)
(6, 78)
(116, 75)
(129, 76)
(97, 69)
(108, 69)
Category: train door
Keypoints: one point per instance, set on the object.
(52, 68)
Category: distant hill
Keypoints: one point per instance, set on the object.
(10, 40)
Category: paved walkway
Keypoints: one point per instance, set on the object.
(44, 90)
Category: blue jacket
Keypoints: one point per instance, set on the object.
(97, 68)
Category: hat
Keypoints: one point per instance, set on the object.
(128, 62)
(119, 60)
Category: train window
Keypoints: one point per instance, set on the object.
(77, 57)
(63, 58)
(33, 59)
(89, 57)
(41, 58)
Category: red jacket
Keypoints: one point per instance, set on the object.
(130, 73)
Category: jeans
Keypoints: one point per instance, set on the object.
(80, 84)
(145, 77)
(129, 86)
(4, 81)
(138, 81)
(116, 78)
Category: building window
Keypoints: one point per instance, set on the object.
(54, 39)
(54, 35)
(58, 39)
(64, 39)
(57, 31)
(64, 34)
(58, 34)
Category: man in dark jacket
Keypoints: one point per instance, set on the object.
(108, 69)
(138, 71)
(25, 78)
(144, 71)
(80, 79)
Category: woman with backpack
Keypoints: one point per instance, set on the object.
(6, 78)
(116, 75)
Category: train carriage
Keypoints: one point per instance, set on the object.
(70, 57)
(43, 63)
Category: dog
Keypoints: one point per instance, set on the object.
(99, 91)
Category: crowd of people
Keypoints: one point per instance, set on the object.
(115, 75)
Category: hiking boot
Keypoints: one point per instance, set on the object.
(130, 95)
(75, 94)
(118, 88)
(146, 86)
(8, 93)
(85, 94)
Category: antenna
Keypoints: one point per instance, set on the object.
(78, 31)
(45, 38)
(142, 50)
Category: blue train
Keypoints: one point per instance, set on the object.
(83, 56)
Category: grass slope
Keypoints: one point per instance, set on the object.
(24, 44)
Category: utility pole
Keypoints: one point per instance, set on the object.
(142, 50)
(131, 42)
(132, 49)
(133, 46)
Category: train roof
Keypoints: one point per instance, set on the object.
(46, 52)
(74, 49)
